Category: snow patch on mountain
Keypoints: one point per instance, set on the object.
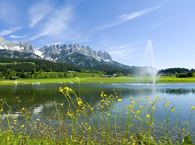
(39, 53)
(20, 47)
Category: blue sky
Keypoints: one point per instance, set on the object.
(121, 27)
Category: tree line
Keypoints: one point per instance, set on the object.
(32, 68)
(178, 72)
(13, 68)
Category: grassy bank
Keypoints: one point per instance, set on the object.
(176, 80)
(69, 80)
(96, 79)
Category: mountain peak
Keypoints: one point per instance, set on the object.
(58, 50)
(72, 54)
(12, 46)
(10, 49)
(76, 55)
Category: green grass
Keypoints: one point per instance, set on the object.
(177, 80)
(14, 63)
(71, 74)
(88, 78)
(6, 63)
(67, 80)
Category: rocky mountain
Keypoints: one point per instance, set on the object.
(54, 52)
(75, 54)
(21, 47)
(79, 56)
(16, 50)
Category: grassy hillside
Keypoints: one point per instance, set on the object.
(29, 65)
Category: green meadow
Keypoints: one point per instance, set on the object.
(88, 78)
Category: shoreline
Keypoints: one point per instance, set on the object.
(93, 80)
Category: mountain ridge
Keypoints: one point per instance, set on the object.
(13, 46)
(64, 49)
(80, 57)
(74, 54)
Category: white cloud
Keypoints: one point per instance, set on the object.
(137, 53)
(127, 53)
(127, 17)
(38, 12)
(17, 36)
(57, 23)
(126, 50)
(6, 32)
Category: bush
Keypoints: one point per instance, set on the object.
(184, 75)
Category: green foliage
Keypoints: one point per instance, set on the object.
(184, 75)
(187, 140)
(32, 65)
(31, 68)
(193, 74)
(178, 72)
(9, 74)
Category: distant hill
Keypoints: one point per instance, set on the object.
(178, 72)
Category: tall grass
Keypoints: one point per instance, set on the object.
(81, 123)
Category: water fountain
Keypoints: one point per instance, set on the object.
(151, 69)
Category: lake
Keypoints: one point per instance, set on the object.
(40, 99)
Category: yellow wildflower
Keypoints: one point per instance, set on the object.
(102, 94)
(79, 101)
(60, 89)
(130, 106)
(133, 102)
(70, 114)
(138, 112)
(22, 126)
(167, 104)
(119, 100)
(147, 115)
(193, 108)
(172, 109)
(153, 108)
(15, 121)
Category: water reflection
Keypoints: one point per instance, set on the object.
(179, 91)
(41, 99)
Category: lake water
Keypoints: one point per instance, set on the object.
(39, 99)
